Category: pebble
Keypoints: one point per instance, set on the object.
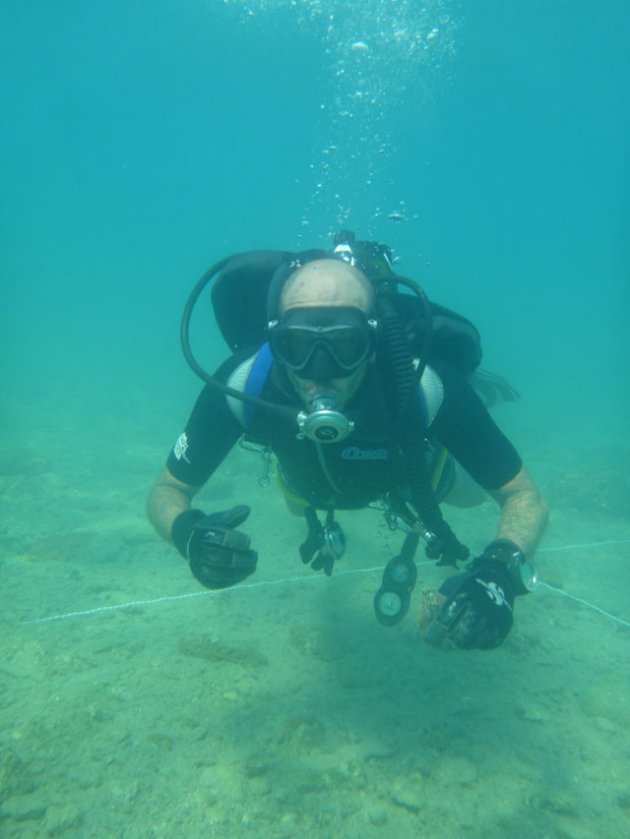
(378, 816)
(533, 715)
(457, 771)
(409, 794)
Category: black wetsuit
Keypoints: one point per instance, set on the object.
(364, 465)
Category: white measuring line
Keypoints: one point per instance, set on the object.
(586, 603)
(585, 545)
(205, 593)
(309, 578)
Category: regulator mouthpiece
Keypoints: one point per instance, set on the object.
(324, 424)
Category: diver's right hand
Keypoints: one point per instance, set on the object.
(219, 555)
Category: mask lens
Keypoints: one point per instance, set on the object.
(294, 346)
(348, 344)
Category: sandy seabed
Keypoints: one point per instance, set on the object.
(281, 708)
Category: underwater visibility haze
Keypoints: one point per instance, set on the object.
(487, 143)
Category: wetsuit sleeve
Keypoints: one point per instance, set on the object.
(210, 433)
(465, 427)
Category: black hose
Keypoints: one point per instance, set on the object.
(286, 412)
(400, 360)
(443, 544)
(428, 322)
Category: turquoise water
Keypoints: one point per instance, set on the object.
(487, 143)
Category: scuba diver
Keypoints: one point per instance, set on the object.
(367, 394)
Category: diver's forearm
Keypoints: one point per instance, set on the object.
(523, 520)
(163, 507)
(167, 499)
(524, 513)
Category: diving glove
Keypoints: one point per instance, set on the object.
(219, 555)
(477, 611)
(325, 543)
(446, 548)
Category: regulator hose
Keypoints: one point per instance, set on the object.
(193, 297)
(442, 544)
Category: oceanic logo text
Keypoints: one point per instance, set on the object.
(355, 453)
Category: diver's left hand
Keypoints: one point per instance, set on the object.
(477, 611)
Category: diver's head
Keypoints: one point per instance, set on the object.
(327, 282)
(324, 336)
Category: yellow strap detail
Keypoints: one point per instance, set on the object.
(438, 469)
(295, 503)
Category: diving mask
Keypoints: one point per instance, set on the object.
(322, 342)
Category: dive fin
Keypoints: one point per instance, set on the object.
(493, 389)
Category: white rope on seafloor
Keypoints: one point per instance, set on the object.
(308, 578)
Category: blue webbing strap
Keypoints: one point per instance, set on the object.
(256, 381)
